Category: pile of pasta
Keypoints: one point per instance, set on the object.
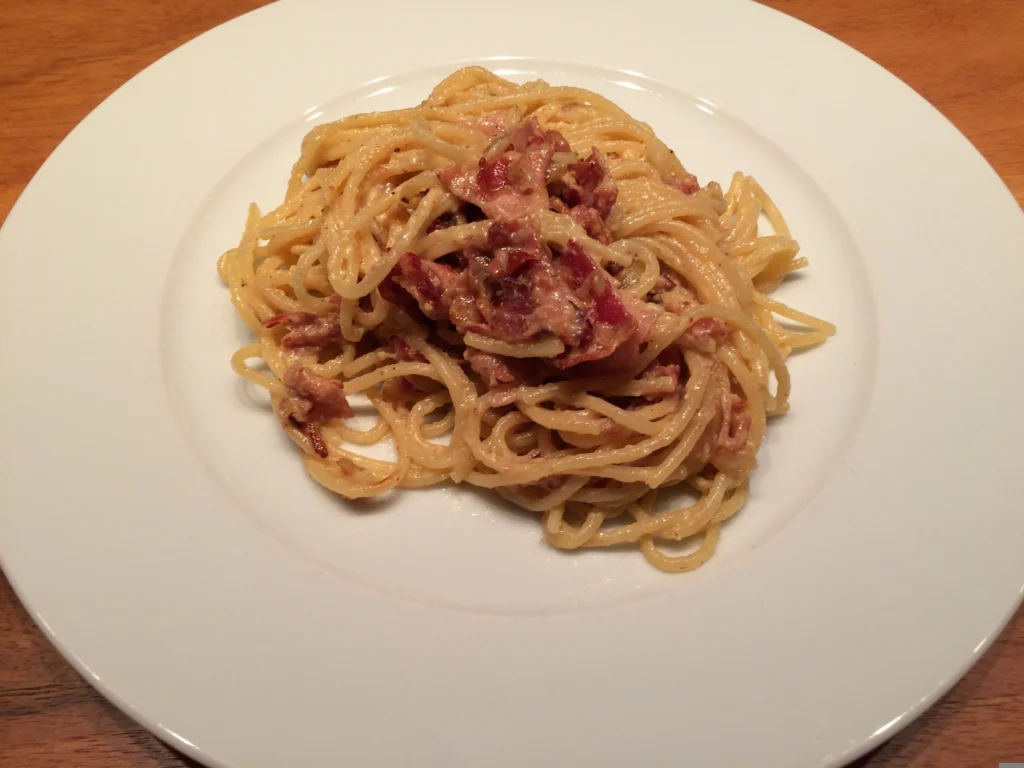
(533, 296)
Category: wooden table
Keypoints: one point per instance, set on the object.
(60, 58)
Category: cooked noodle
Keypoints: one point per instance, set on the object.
(575, 343)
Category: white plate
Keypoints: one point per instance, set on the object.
(162, 532)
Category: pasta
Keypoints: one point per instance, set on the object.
(535, 297)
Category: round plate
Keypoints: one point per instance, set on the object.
(161, 530)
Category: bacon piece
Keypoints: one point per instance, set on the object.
(514, 244)
(518, 292)
(434, 286)
(610, 324)
(600, 342)
(688, 185)
(463, 182)
(603, 341)
(590, 172)
(326, 397)
(531, 301)
(592, 223)
(528, 134)
(316, 439)
(513, 184)
(591, 282)
(507, 262)
(588, 183)
(736, 421)
(306, 329)
(558, 309)
(505, 205)
(610, 309)
(312, 400)
(493, 175)
(529, 172)
(557, 141)
(605, 197)
(580, 265)
(705, 335)
(507, 306)
(498, 371)
(627, 353)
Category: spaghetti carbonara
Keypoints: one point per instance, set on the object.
(535, 297)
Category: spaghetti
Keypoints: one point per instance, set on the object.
(535, 297)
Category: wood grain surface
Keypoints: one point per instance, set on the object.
(60, 58)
